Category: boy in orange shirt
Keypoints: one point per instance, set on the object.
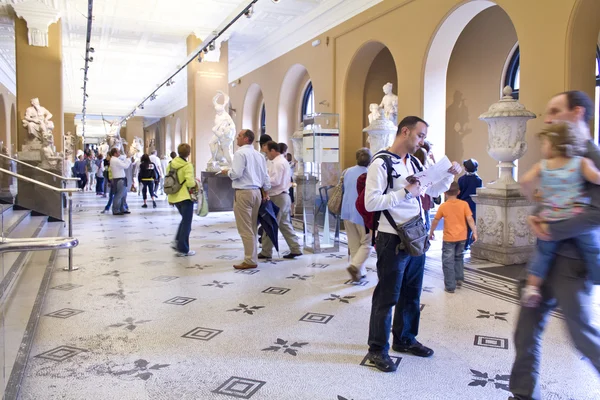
(457, 215)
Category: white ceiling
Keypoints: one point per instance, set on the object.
(139, 43)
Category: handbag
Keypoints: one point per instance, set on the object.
(335, 199)
(414, 238)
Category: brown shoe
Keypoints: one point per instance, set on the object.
(244, 266)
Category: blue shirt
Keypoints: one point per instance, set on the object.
(349, 212)
(80, 167)
(468, 185)
(249, 169)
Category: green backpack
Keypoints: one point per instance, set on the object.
(171, 184)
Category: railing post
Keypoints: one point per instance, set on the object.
(70, 267)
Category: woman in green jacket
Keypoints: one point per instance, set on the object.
(182, 199)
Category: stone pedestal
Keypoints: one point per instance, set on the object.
(39, 199)
(31, 153)
(504, 236)
(218, 190)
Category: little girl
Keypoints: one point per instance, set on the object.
(562, 174)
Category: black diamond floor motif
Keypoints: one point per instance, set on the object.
(64, 313)
(61, 353)
(316, 318)
(205, 334)
(180, 301)
(353, 283)
(421, 307)
(247, 271)
(489, 341)
(165, 278)
(242, 388)
(317, 265)
(66, 286)
(367, 363)
(226, 257)
(276, 290)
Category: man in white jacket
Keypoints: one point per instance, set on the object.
(400, 274)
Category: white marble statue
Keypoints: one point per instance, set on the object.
(221, 144)
(51, 160)
(375, 112)
(389, 103)
(381, 132)
(104, 148)
(37, 121)
(70, 142)
(297, 147)
(113, 137)
(135, 152)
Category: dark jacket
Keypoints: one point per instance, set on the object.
(148, 172)
(468, 185)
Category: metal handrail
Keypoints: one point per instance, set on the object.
(39, 169)
(69, 192)
(25, 178)
(37, 244)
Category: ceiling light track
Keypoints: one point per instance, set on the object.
(88, 59)
(207, 45)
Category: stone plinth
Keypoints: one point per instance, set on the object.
(218, 190)
(37, 198)
(31, 153)
(504, 236)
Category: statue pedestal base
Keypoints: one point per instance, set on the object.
(504, 236)
(36, 198)
(218, 190)
(31, 153)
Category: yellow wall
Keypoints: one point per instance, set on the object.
(474, 83)
(563, 30)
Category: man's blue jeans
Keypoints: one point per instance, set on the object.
(400, 282)
(453, 263)
(186, 209)
(120, 187)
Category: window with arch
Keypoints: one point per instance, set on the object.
(263, 120)
(308, 101)
(513, 79)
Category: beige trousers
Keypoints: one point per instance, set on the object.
(246, 204)
(359, 244)
(284, 203)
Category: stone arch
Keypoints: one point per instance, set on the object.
(290, 101)
(362, 86)
(13, 131)
(436, 68)
(253, 102)
(4, 123)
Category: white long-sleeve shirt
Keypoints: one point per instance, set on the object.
(118, 166)
(394, 200)
(154, 159)
(249, 169)
(279, 175)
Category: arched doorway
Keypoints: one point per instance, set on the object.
(371, 68)
(253, 103)
(4, 123)
(292, 101)
(474, 43)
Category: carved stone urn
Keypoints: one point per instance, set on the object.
(381, 133)
(507, 122)
(504, 236)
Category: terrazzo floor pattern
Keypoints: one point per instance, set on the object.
(136, 322)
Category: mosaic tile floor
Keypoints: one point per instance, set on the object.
(136, 322)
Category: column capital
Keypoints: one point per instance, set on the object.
(39, 16)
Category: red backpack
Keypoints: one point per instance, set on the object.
(371, 218)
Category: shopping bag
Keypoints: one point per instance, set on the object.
(202, 210)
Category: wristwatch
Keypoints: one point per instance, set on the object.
(408, 195)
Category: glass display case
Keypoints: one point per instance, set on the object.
(321, 154)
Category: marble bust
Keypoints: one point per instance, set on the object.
(375, 112)
(51, 160)
(37, 121)
(221, 144)
(389, 103)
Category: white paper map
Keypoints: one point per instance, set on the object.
(433, 174)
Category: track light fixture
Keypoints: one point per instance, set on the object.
(276, 1)
(90, 59)
(153, 97)
(170, 82)
(92, 50)
(199, 58)
(249, 12)
(141, 106)
(205, 50)
(211, 46)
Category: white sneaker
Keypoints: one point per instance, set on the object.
(188, 254)
(531, 296)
